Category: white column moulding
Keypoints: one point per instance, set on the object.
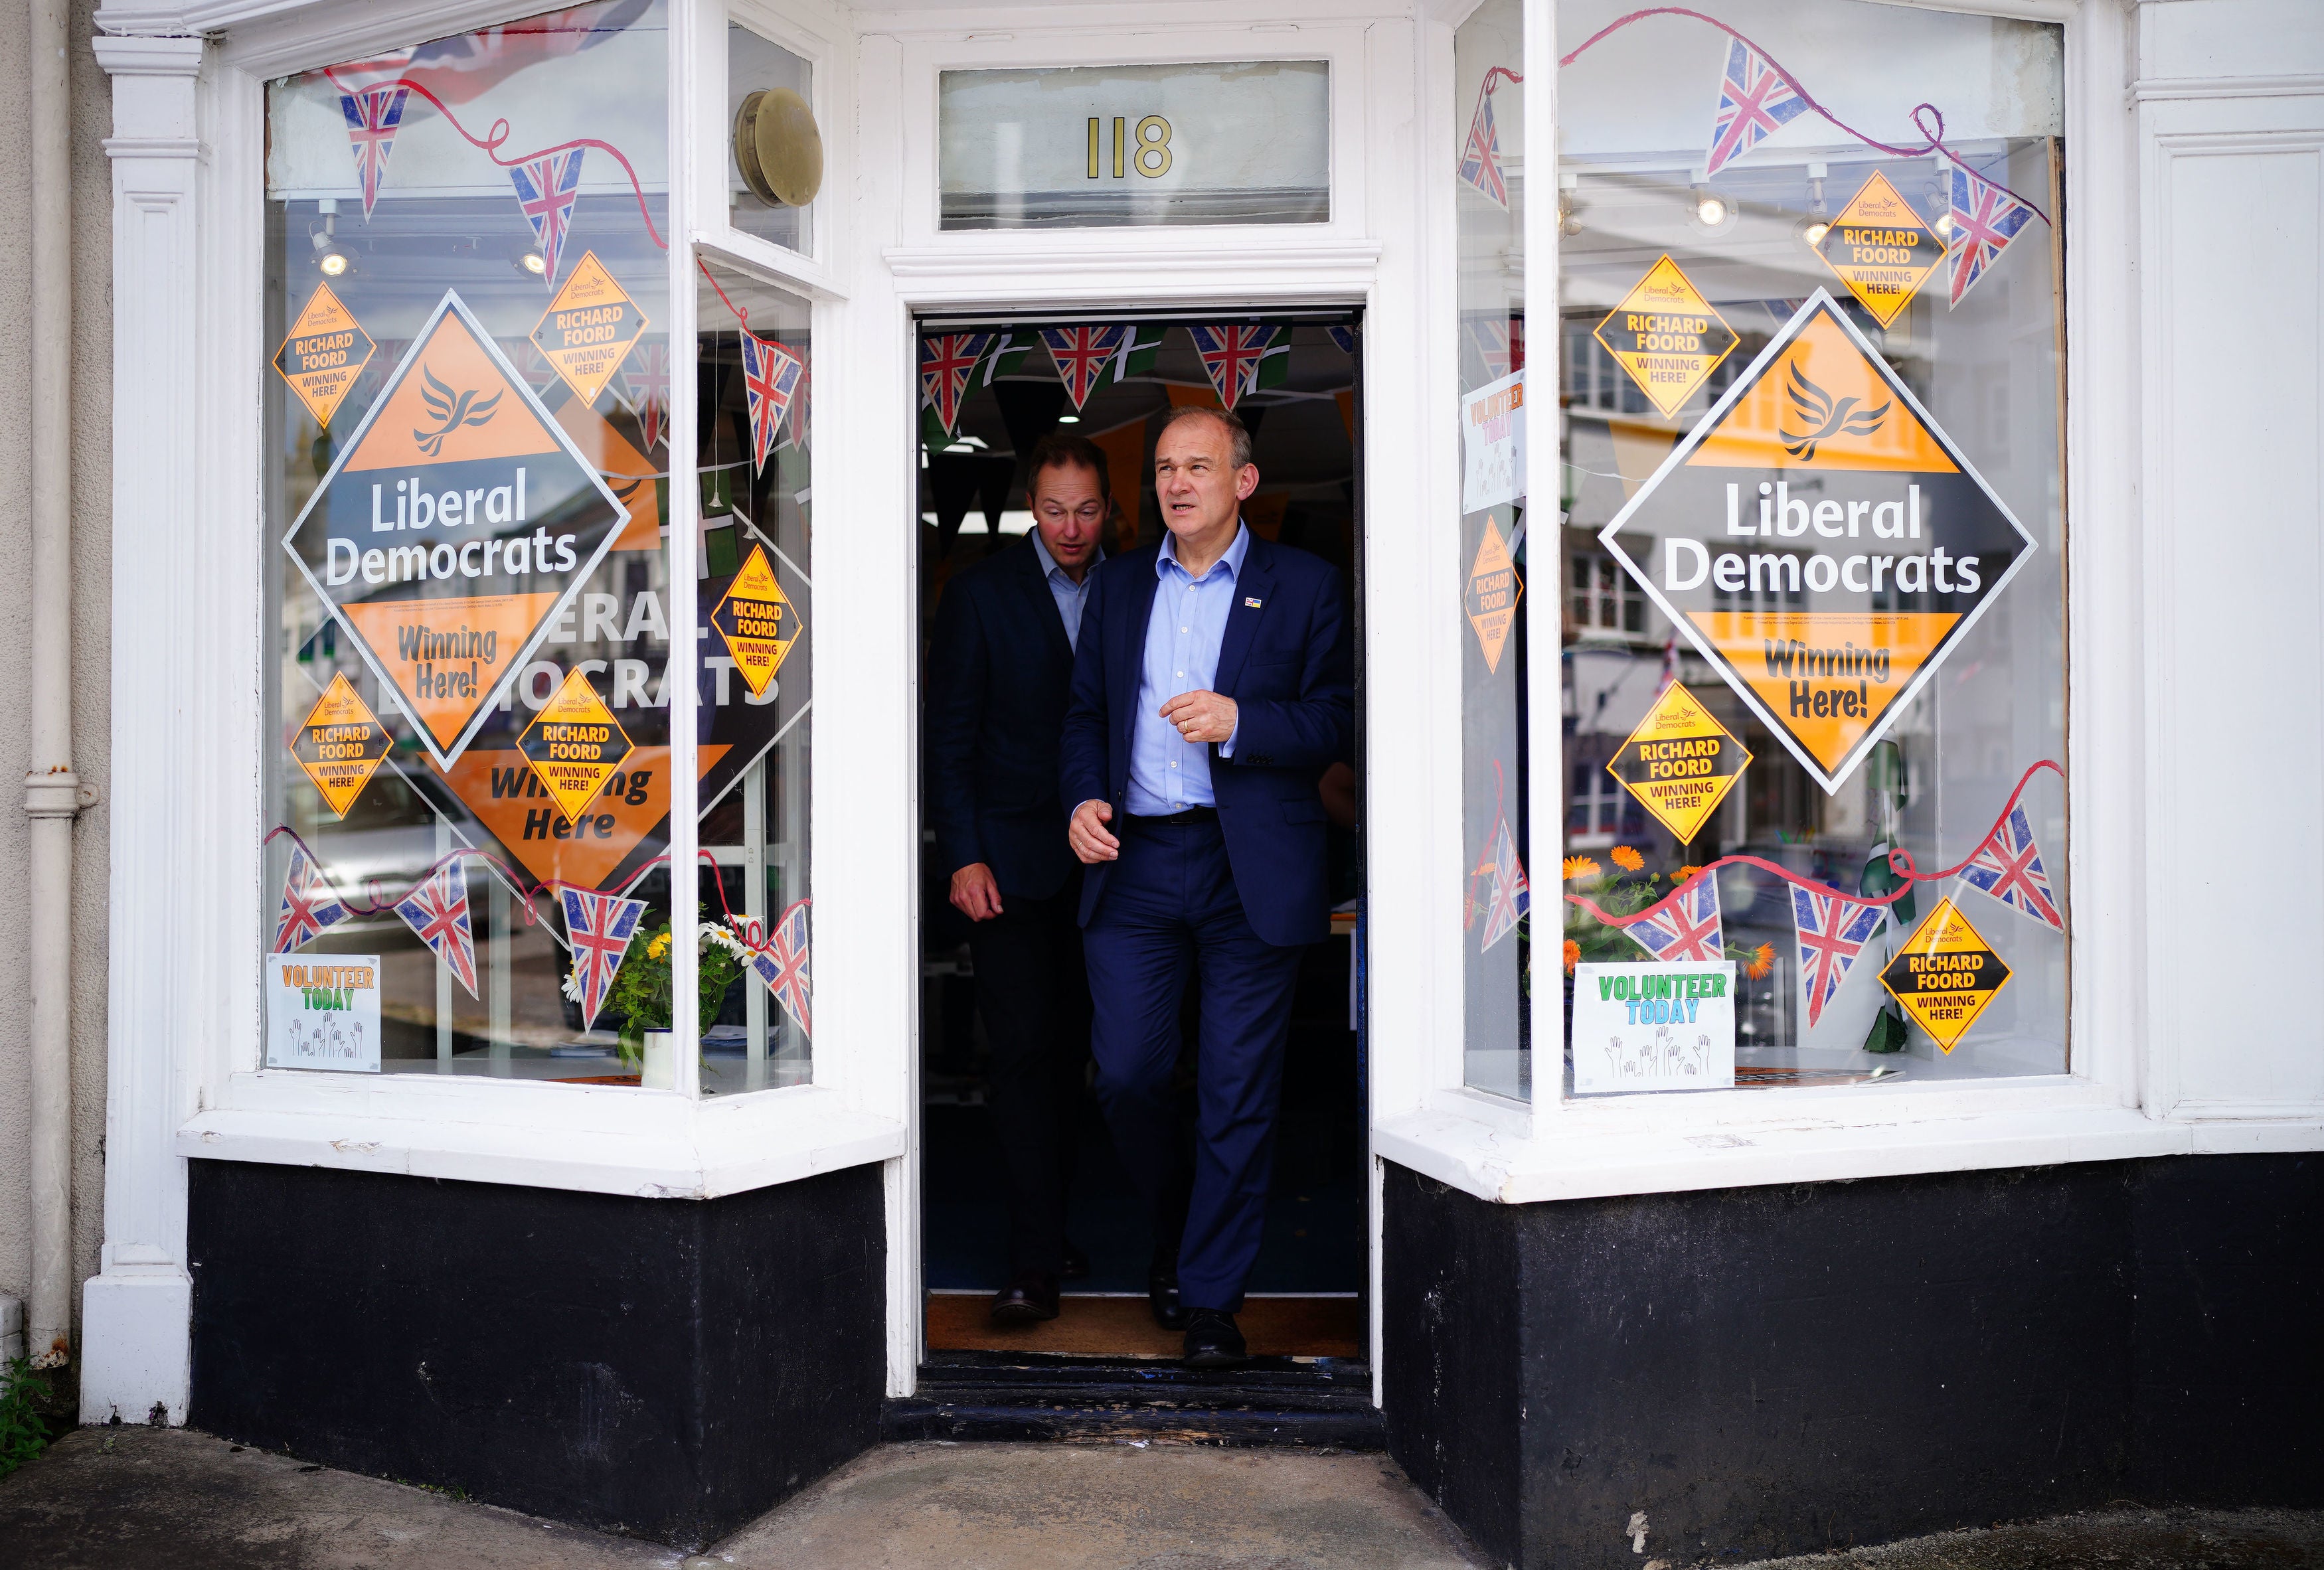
(180, 974)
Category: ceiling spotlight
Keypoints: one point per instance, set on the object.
(1069, 419)
(335, 263)
(1943, 226)
(1710, 210)
(1818, 222)
(533, 262)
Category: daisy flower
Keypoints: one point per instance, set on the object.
(1578, 867)
(1627, 858)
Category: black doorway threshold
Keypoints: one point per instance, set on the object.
(1313, 1404)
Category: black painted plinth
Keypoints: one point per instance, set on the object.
(664, 1368)
(1753, 1371)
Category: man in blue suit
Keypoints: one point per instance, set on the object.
(1000, 664)
(1213, 685)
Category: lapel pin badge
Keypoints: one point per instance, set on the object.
(1252, 603)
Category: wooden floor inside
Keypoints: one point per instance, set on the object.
(1123, 1326)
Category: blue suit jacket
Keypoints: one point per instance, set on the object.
(1289, 664)
(998, 674)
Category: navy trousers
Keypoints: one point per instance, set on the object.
(1169, 907)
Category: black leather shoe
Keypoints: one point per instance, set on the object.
(1212, 1341)
(1076, 1263)
(1027, 1300)
(1162, 1295)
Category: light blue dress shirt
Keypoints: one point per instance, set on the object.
(1069, 595)
(1168, 772)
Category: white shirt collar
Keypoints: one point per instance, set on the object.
(1236, 551)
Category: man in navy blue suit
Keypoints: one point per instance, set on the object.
(1213, 685)
(999, 665)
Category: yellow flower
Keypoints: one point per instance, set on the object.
(1761, 962)
(1686, 872)
(1627, 858)
(1572, 955)
(658, 946)
(1578, 867)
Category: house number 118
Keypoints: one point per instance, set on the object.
(1150, 154)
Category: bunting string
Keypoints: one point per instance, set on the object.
(1927, 118)
(491, 142)
(1900, 862)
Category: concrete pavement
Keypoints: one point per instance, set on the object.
(134, 1498)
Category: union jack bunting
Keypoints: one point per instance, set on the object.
(1508, 897)
(795, 428)
(771, 379)
(782, 966)
(545, 189)
(1241, 359)
(308, 905)
(647, 388)
(1480, 160)
(947, 361)
(599, 927)
(1345, 338)
(2008, 867)
(1754, 102)
(437, 910)
(1832, 931)
(1686, 928)
(1986, 219)
(374, 116)
(1082, 355)
(1500, 344)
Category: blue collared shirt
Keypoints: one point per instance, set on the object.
(1167, 771)
(1069, 595)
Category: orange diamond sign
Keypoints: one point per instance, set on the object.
(756, 620)
(587, 330)
(1680, 763)
(1880, 249)
(323, 353)
(341, 744)
(1945, 975)
(1665, 334)
(1821, 541)
(455, 525)
(1492, 595)
(575, 745)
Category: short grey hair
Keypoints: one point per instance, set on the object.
(1238, 433)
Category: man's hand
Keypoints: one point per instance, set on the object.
(974, 893)
(1087, 833)
(1202, 718)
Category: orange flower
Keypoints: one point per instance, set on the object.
(1686, 872)
(1578, 867)
(1761, 962)
(1572, 955)
(1627, 858)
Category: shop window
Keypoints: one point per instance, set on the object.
(1814, 396)
(1490, 195)
(755, 598)
(468, 485)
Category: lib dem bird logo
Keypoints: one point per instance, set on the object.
(454, 409)
(1814, 407)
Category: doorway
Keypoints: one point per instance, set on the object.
(1305, 1304)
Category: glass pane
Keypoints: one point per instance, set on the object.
(1102, 146)
(1489, 236)
(756, 65)
(464, 470)
(755, 614)
(1831, 488)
